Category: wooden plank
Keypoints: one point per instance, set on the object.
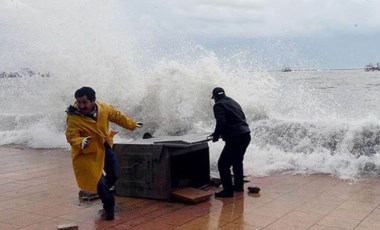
(191, 195)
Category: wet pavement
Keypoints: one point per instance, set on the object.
(38, 191)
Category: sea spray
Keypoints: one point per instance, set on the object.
(302, 121)
(76, 45)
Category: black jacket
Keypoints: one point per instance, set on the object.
(230, 119)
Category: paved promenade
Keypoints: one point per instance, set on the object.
(38, 191)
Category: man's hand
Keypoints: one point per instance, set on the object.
(85, 142)
(139, 124)
(214, 138)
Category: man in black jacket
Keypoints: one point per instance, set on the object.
(232, 127)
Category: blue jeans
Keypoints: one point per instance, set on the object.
(107, 181)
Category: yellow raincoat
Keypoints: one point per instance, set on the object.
(88, 163)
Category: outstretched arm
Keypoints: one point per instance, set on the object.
(220, 118)
(119, 118)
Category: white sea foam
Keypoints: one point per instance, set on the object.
(304, 122)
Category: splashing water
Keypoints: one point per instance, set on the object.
(305, 122)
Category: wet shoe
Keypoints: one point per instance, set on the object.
(224, 193)
(87, 196)
(106, 216)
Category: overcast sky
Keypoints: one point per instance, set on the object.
(275, 33)
(327, 33)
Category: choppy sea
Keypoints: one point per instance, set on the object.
(304, 122)
(322, 121)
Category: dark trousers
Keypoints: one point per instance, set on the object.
(233, 155)
(107, 181)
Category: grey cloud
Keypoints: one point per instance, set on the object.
(245, 4)
(280, 17)
(221, 14)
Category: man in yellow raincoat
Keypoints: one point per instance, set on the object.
(91, 143)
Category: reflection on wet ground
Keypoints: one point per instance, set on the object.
(38, 191)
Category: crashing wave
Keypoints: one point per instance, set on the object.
(307, 137)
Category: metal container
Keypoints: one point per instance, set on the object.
(152, 168)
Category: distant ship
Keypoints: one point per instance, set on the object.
(286, 69)
(370, 67)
